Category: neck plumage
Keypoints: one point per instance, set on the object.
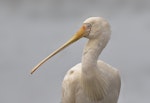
(93, 82)
(91, 53)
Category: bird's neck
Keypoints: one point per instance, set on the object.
(91, 53)
(93, 82)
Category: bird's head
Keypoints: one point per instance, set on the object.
(92, 28)
(95, 27)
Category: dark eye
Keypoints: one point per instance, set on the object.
(88, 25)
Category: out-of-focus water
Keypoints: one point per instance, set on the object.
(30, 30)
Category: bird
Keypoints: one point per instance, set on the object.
(92, 80)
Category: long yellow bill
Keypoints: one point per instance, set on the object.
(75, 37)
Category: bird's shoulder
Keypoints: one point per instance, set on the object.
(109, 70)
(70, 83)
(73, 73)
(112, 73)
(107, 67)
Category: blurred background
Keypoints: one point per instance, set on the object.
(32, 29)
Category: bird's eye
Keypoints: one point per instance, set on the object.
(88, 25)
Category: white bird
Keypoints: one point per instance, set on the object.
(92, 80)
